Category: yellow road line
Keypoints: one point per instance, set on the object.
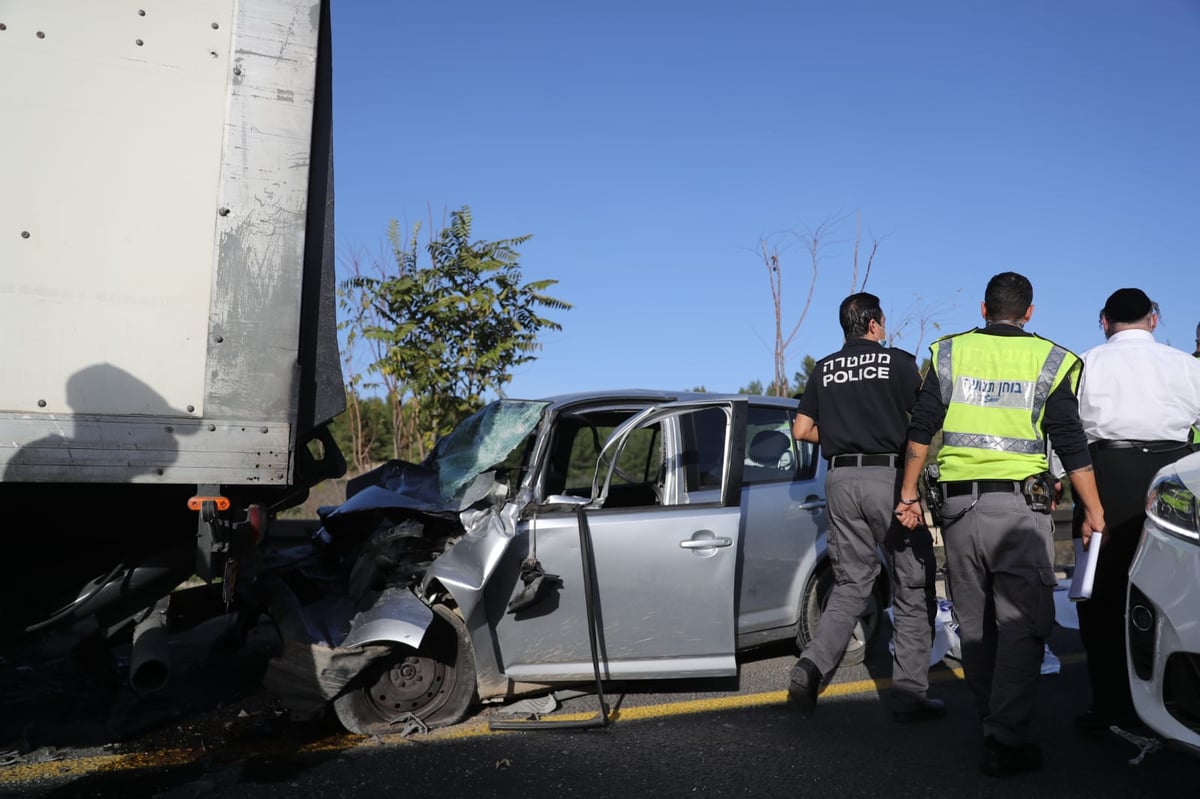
(169, 758)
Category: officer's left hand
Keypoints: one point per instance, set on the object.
(910, 516)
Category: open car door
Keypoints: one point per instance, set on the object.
(662, 565)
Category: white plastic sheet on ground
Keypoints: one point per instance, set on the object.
(945, 633)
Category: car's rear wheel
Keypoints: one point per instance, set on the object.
(816, 595)
(434, 684)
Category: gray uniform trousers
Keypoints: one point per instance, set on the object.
(862, 504)
(999, 561)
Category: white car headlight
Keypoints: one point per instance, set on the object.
(1173, 507)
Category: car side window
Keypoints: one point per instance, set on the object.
(573, 457)
(640, 460)
(637, 474)
(772, 455)
(702, 451)
(581, 463)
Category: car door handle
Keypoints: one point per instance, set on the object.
(706, 543)
(812, 502)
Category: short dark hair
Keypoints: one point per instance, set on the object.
(1008, 296)
(857, 312)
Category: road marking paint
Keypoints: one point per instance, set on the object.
(68, 769)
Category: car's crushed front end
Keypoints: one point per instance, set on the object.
(404, 558)
(1163, 611)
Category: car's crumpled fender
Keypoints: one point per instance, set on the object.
(397, 616)
(307, 674)
(464, 569)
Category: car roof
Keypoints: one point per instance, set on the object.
(658, 396)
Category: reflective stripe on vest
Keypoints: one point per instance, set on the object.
(978, 441)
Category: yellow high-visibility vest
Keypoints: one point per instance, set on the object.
(995, 390)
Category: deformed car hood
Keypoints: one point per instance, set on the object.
(458, 481)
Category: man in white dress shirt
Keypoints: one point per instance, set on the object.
(1138, 400)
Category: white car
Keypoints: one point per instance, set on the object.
(1163, 610)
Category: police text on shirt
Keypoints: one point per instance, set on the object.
(853, 368)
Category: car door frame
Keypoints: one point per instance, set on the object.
(783, 542)
(652, 622)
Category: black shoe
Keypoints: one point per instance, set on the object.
(924, 710)
(1000, 760)
(805, 683)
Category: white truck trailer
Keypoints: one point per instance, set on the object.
(167, 294)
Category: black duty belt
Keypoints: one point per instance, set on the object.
(1145, 446)
(859, 459)
(967, 487)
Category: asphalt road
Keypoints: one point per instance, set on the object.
(214, 733)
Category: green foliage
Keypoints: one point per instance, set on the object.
(453, 326)
(373, 444)
(800, 379)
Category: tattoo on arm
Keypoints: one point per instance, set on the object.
(909, 455)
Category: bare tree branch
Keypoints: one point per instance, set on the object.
(815, 241)
(854, 260)
(921, 313)
(870, 260)
(773, 263)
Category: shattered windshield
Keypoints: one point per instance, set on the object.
(484, 440)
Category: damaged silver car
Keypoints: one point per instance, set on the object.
(575, 541)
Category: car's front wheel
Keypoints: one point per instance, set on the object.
(816, 596)
(434, 685)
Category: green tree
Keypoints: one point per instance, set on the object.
(800, 379)
(453, 325)
(356, 300)
(364, 433)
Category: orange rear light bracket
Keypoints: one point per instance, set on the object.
(197, 503)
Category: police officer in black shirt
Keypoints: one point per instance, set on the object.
(858, 399)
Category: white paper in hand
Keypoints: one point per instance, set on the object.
(1085, 568)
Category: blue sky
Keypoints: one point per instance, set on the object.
(649, 147)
